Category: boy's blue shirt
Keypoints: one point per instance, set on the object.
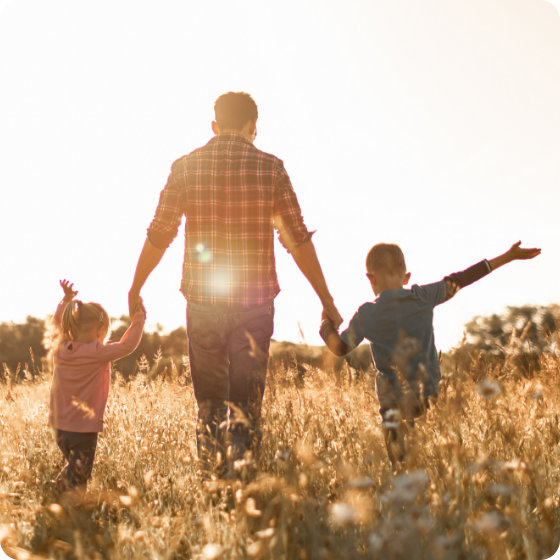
(399, 327)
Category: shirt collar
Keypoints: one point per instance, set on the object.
(229, 137)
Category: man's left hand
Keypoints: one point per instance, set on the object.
(134, 299)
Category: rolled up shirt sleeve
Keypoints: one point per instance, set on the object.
(292, 232)
(167, 219)
(454, 282)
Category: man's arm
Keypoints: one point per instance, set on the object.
(305, 257)
(149, 259)
(295, 237)
(454, 282)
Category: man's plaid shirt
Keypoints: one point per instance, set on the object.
(232, 195)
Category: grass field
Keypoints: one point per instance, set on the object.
(482, 479)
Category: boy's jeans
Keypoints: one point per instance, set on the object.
(398, 410)
(228, 355)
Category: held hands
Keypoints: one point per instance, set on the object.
(516, 252)
(140, 308)
(330, 313)
(69, 292)
(134, 302)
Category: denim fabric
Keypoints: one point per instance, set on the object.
(405, 397)
(228, 354)
(399, 407)
(79, 450)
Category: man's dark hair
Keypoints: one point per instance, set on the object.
(234, 110)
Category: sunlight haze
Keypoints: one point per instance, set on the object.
(432, 124)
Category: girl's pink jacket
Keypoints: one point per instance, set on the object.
(82, 371)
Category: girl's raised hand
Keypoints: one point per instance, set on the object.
(69, 292)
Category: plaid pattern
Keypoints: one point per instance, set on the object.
(233, 195)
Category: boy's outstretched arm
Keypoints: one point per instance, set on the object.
(454, 282)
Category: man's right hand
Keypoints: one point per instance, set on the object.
(331, 312)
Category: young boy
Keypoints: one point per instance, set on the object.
(399, 326)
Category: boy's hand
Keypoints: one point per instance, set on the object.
(516, 252)
(69, 292)
(330, 313)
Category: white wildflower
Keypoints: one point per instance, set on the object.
(212, 551)
(376, 543)
(489, 524)
(406, 488)
(488, 389)
(361, 483)
(341, 513)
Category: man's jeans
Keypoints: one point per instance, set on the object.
(228, 354)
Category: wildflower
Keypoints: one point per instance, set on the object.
(251, 508)
(56, 509)
(442, 545)
(212, 551)
(304, 454)
(489, 524)
(126, 501)
(341, 513)
(406, 488)
(266, 533)
(148, 478)
(242, 463)
(488, 389)
(376, 543)
(514, 465)
(254, 549)
(361, 483)
(499, 490)
(281, 456)
(538, 392)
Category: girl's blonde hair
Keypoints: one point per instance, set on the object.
(78, 314)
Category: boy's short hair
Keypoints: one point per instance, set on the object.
(386, 258)
(234, 110)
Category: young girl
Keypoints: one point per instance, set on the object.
(80, 385)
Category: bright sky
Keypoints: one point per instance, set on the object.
(431, 123)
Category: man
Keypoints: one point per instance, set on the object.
(233, 196)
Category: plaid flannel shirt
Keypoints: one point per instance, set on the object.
(233, 196)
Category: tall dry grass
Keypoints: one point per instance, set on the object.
(482, 478)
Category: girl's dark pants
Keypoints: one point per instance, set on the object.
(79, 451)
